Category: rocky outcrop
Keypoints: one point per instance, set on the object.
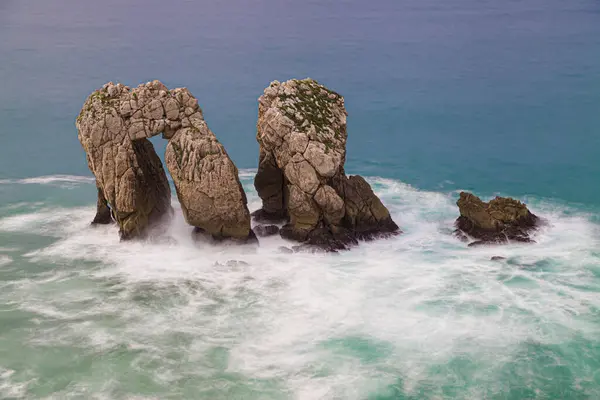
(114, 127)
(499, 221)
(302, 135)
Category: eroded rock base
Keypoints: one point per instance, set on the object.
(199, 235)
(114, 126)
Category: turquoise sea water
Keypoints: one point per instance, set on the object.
(494, 97)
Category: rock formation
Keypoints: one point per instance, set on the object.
(499, 221)
(113, 128)
(302, 135)
(266, 230)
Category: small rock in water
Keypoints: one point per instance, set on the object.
(499, 221)
(497, 258)
(266, 230)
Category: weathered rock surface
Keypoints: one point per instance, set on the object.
(113, 128)
(302, 135)
(499, 221)
(207, 183)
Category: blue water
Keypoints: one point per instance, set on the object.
(493, 96)
(488, 96)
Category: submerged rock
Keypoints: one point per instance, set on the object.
(266, 230)
(199, 235)
(114, 126)
(286, 250)
(103, 213)
(499, 221)
(302, 135)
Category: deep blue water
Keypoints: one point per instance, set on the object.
(492, 96)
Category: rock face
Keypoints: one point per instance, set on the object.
(499, 221)
(114, 126)
(302, 135)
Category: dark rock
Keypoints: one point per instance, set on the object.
(460, 235)
(269, 178)
(290, 232)
(266, 230)
(264, 216)
(312, 249)
(497, 258)
(103, 212)
(236, 263)
(500, 221)
(200, 235)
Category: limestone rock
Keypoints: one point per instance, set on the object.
(207, 183)
(199, 235)
(114, 126)
(499, 221)
(302, 135)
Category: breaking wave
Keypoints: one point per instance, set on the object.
(49, 179)
(415, 316)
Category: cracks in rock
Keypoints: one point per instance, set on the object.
(131, 176)
(318, 113)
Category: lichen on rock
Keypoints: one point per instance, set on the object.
(500, 220)
(302, 135)
(114, 126)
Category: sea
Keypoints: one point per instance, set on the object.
(492, 97)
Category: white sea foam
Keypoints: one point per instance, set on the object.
(53, 221)
(63, 181)
(299, 321)
(5, 260)
(8, 388)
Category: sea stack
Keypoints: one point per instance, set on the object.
(501, 220)
(114, 126)
(302, 135)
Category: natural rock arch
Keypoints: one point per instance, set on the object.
(114, 126)
(302, 135)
